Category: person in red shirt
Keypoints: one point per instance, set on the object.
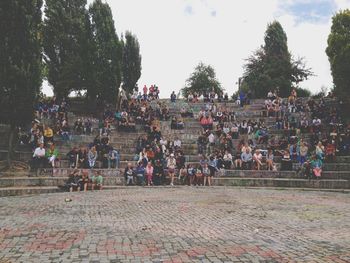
(330, 152)
(145, 89)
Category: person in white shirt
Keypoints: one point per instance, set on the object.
(177, 143)
(211, 142)
(227, 160)
(163, 143)
(270, 94)
(39, 156)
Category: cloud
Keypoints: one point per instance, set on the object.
(188, 10)
(313, 11)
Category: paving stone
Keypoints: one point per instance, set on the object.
(177, 225)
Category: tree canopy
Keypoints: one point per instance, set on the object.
(272, 66)
(108, 51)
(131, 62)
(202, 80)
(64, 40)
(21, 61)
(338, 52)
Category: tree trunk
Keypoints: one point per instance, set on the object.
(10, 146)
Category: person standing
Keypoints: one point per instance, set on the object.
(171, 164)
(149, 173)
(129, 174)
(206, 175)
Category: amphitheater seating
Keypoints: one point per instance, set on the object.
(335, 176)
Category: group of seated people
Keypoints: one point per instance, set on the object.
(147, 94)
(82, 180)
(177, 123)
(83, 126)
(39, 133)
(207, 97)
(134, 112)
(157, 160)
(305, 143)
(45, 157)
(99, 150)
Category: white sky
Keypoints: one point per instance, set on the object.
(175, 35)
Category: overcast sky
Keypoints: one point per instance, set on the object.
(175, 35)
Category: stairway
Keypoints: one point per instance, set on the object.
(335, 176)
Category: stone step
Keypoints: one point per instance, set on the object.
(50, 181)
(282, 182)
(217, 181)
(34, 190)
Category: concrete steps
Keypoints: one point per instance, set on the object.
(282, 182)
(34, 190)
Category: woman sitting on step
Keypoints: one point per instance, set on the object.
(316, 165)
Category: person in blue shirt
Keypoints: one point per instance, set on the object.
(140, 174)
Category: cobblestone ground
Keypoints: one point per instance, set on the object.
(177, 225)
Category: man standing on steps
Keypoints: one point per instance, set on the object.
(173, 97)
(171, 164)
(211, 139)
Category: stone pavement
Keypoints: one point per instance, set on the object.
(177, 225)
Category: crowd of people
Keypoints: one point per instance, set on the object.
(303, 140)
(288, 134)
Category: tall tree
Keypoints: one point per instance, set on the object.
(21, 62)
(64, 40)
(131, 62)
(338, 52)
(202, 80)
(90, 65)
(272, 67)
(109, 53)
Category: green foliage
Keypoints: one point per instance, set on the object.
(338, 52)
(21, 59)
(303, 93)
(131, 62)
(64, 39)
(202, 80)
(89, 52)
(272, 67)
(108, 51)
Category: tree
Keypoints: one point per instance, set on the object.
(108, 64)
(338, 52)
(202, 80)
(64, 40)
(90, 65)
(131, 62)
(21, 63)
(272, 66)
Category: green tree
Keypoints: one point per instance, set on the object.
(338, 52)
(131, 62)
(64, 41)
(21, 63)
(272, 66)
(90, 65)
(202, 80)
(109, 53)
